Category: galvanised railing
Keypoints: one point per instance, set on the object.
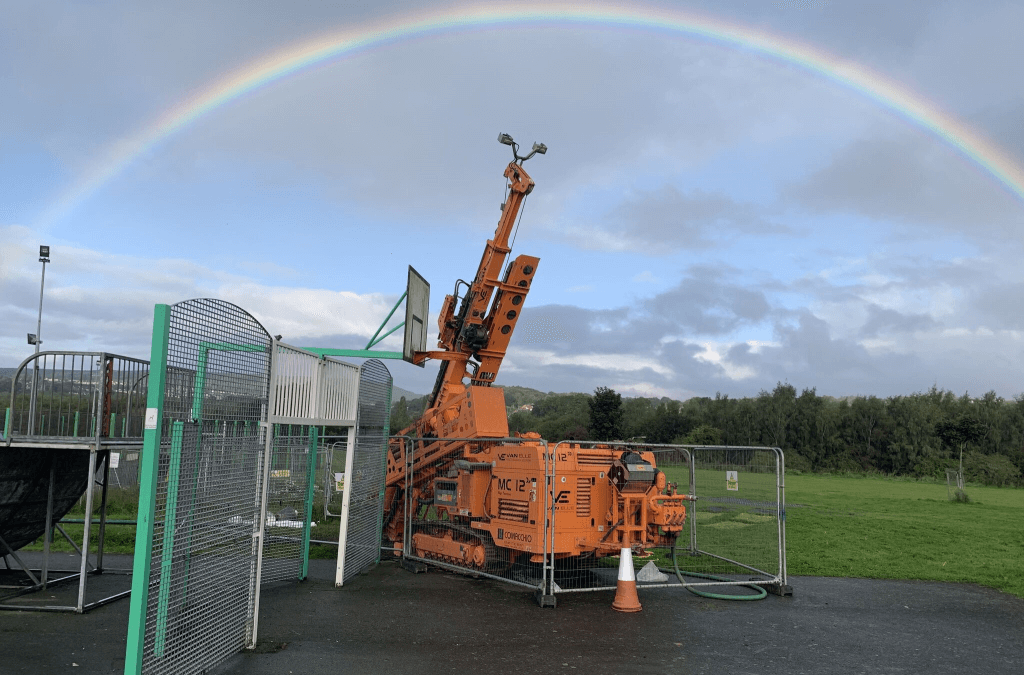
(77, 395)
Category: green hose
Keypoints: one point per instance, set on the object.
(762, 594)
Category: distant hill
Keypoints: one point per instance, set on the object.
(397, 393)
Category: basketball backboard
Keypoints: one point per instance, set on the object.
(417, 305)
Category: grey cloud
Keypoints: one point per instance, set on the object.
(913, 182)
(882, 321)
(705, 303)
(666, 220)
(568, 330)
(998, 306)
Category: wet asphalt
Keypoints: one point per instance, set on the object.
(392, 621)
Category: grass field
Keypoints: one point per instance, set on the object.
(836, 526)
(891, 529)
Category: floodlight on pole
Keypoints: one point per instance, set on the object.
(44, 257)
(538, 148)
(36, 339)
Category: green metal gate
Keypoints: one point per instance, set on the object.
(200, 488)
(227, 478)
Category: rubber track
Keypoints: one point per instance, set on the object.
(491, 562)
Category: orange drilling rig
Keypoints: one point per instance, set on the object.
(485, 503)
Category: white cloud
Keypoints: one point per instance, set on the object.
(95, 300)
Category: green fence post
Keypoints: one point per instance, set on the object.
(113, 424)
(167, 549)
(310, 489)
(148, 476)
(7, 423)
(75, 432)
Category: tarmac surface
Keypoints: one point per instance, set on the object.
(392, 621)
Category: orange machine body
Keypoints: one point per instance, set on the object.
(483, 500)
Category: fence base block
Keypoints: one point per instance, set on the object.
(781, 590)
(545, 600)
(414, 566)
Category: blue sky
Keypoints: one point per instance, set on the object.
(707, 220)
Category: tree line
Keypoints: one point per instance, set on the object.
(919, 435)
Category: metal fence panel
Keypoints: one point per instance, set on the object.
(730, 536)
(201, 580)
(363, 501)
(288, 502)
(739, 516)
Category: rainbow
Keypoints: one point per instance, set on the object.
(331, 46)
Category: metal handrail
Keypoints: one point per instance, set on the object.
(96, 389)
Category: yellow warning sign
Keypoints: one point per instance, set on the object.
(732, 480)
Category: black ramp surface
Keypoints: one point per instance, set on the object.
(24, 488)
(392, 621)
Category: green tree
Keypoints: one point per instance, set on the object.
(704, 434)
(606, 414)
(959, 433)
(400, 417)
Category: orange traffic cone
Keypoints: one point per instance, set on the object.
(626, 599)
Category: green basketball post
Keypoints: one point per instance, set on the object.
(148, 471)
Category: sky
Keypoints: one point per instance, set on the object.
(713, 215)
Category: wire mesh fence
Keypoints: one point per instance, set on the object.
(332, 457)
(78, 395)
(713, 513)
(739, 532)
(691, 516)
(292, 469)
(363, 496)
(207, 488)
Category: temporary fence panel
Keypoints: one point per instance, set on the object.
(605, 497)
(473, 505)
(608, 496)
(333, 451)
(359, 536)
(739, 516)
(192, 601)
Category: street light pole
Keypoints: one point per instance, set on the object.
(44, 257)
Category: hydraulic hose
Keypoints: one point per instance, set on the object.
(762, 593)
